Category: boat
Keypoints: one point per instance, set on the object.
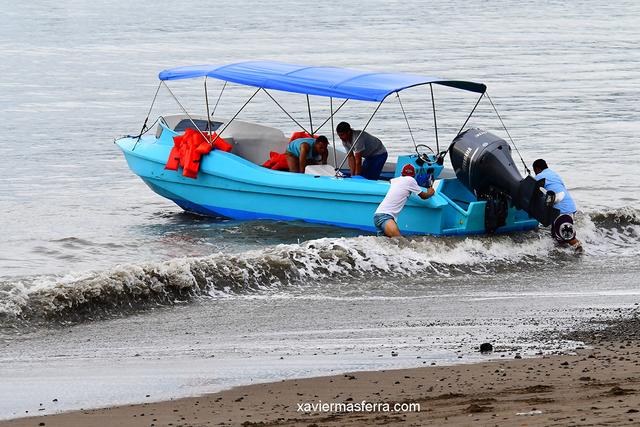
(483, 192)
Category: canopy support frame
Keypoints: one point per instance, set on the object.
(332, 115)
(219, 96)
(470, 114)
(359, 135)
(209, 140)
(333, 133)
(226, 125)
(188, 115)
(146, 120)
(406, 119)
(283, 110)
(206, 98)
(435, 120)
(310, 120)
(330, 118)
(509, 135)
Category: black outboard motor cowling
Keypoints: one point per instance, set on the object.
(482, 162)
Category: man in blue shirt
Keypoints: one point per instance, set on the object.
(562, 228)
(306, 151)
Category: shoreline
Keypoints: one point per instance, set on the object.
(596, 385)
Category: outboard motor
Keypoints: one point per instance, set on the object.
(483, 163)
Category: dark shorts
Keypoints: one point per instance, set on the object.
(380, 220)
(562, 228)
(372, 166)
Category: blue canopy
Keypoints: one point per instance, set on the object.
(321, 81)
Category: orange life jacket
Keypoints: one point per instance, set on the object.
(189, 148)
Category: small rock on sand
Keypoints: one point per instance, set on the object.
(486, 347)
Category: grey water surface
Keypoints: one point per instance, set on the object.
(109, 293)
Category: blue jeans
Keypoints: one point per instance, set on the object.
(380, 220)
(372, 166)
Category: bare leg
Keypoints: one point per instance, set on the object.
(391, 229)
(292, 162)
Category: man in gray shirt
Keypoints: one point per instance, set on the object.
(367, 147)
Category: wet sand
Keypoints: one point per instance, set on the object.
(598, 385)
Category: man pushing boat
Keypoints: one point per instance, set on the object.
(400, 188)
(562, 228)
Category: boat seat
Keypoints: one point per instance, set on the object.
(250, 141)
(320, 170)
(254, 142)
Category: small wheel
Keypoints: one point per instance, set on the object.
(425, 146)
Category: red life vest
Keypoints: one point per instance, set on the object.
(189, 148)
(277, 161)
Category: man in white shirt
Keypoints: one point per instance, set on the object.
(385, 218)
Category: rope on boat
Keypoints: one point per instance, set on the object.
(144, 128)
(510, 139)
(444, 153)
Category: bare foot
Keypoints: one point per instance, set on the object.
(576, 245)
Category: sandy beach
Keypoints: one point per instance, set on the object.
(597, 385)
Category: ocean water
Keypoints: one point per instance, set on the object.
(99, 274)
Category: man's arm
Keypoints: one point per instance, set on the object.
(352, 163)
(302, 160)
(424, 195)
(357, 160)
(559, 197)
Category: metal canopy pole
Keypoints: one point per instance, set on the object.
(185, 111)
(470, 114)
(333, 134)
(226, 125)
(196, 126)
(407, 120)
(206, 98)
(359, 135)
(219, 96)
(144, 125)
(332, 115)
(508, 134)
(435, 121)
(310, 121)
(285, 111)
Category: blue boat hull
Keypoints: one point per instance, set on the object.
(230, 186)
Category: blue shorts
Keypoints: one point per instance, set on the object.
(380, 220)
(372, 166)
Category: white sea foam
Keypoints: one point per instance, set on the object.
(612, 233)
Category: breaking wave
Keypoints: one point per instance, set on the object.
(126, 288)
